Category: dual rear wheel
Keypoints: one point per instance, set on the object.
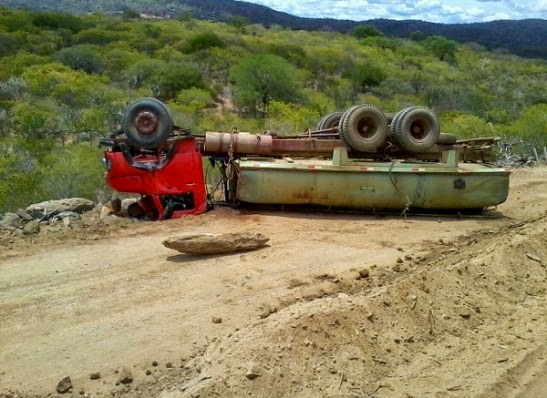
(365, 128)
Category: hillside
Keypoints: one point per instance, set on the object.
(525, 38)
(65, 81)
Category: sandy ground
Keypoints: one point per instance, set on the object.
(338, 305)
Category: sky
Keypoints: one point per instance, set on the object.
(441, 11)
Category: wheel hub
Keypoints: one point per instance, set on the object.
(418, 130)
(146, 123)
(366, 128)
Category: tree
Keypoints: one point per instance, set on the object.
(532, 125)
(67, 86)
(203, 41)
(56, 21)
(195, 100)
(441, 47)
(289, 118)
(129, 13)
(33, 121)
(366, 76)
(81, 57)
(362, 31)
(72, 172)
(238, 22)
(165, 79)
(100, 36)
(291, 52)
(259, 79)
(417, 36)
(465, 125)
(8, 44)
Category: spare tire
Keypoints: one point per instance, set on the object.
(329, 121)
(363, 128)
(147, 123)
(415, 129)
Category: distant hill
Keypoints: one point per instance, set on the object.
(526, 38)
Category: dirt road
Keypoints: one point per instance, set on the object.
(338, 305)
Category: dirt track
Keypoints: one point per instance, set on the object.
(326, 310)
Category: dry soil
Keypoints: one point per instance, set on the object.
(338, 305)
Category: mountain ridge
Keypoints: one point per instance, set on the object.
(524, 38)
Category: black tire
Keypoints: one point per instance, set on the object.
(147, 123)
(363, 128)
(329, 121)
(447, 139)
(415, 129)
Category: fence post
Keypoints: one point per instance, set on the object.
(545, 154)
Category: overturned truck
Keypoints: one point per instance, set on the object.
(360, 159)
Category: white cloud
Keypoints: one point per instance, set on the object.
(447, 11)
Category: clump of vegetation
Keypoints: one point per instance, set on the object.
(65, 80)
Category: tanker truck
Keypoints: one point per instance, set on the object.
(360, 160)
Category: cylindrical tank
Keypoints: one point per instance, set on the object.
(239, 143)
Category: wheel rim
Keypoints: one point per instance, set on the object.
(366, 128)
(420, 129)
(146, 123)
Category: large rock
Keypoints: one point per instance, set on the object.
(48, 209)
(216, 243)
(23, 215)
(10, 221)
(31, 228)
(64, 385)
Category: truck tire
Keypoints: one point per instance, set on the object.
(363, 128)
(415, 129)
(147, 123)
(329, 121)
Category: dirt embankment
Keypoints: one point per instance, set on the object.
(337, 306)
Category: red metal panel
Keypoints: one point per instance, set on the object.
(183, 174)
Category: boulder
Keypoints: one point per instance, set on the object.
(10, 221)
(216, 243)
(23, 215)
(48, 209)
(31, 228)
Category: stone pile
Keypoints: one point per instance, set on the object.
(28, 220)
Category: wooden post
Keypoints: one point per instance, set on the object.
(545, 154)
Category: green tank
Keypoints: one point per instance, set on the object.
(365, 185)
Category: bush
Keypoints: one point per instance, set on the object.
(73, 171)
(260, 79)
(81, 57)
(203, 41)
(366, 76)
(363, 31)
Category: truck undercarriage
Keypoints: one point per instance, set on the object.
(359, 160)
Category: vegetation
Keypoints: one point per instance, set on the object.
(65, 81)
(523, 37)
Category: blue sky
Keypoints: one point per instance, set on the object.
(447, 11)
